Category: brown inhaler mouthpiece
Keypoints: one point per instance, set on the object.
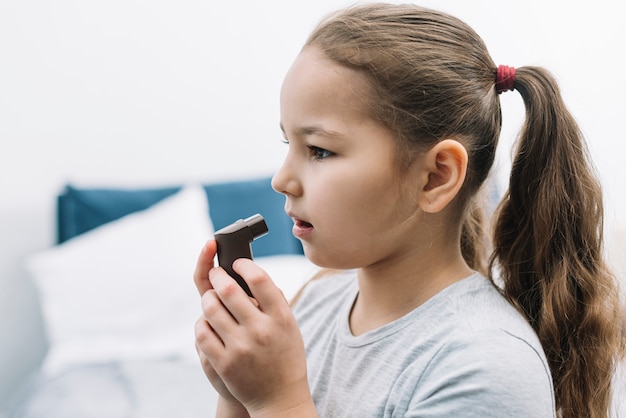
(235, 241)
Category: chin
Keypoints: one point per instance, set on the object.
(327, 259)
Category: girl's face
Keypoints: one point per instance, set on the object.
(351, 207)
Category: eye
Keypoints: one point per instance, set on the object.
(320, 153)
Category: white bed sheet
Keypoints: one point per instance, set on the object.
(148, 389)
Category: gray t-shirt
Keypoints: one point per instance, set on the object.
(466, 352)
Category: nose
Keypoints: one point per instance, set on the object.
(285, 181)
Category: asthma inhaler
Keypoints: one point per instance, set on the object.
(235, 241)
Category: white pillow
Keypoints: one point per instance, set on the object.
(124, 291)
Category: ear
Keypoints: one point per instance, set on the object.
(445, 167)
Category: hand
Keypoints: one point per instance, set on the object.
(253, 348)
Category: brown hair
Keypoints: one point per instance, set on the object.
(433, 78)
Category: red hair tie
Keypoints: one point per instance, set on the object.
(505, 79)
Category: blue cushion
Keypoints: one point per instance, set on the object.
(82, 209)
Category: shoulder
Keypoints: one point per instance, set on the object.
(496, 352)
(488, 372)
(476, 305)
(487, 328)
(488, 358)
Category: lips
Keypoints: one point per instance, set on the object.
(302, 224)
(301, 228)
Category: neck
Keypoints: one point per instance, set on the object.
(392, 288)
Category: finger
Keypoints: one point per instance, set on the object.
(207, 367)
(232, 296)
(265, 291)
(208, 344)
(204, 264)
(217, 316)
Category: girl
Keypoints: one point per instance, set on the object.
(392, 117)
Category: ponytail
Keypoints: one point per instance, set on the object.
(548, 251)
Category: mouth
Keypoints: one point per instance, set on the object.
(302, 224)
(301, 228)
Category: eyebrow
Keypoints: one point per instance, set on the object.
(315, 130)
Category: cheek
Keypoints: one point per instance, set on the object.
(355, 217)
(357, 203)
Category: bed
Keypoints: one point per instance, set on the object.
(118, 302)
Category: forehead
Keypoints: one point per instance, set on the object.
(315, 83)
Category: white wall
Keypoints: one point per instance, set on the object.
(138, 92)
